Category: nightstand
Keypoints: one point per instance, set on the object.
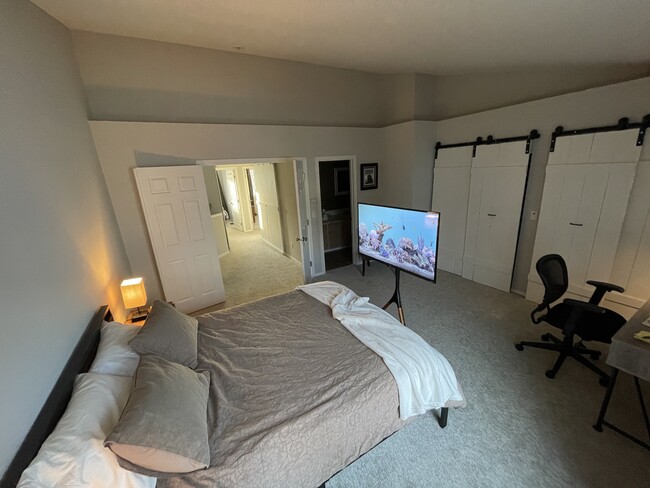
(137, 317)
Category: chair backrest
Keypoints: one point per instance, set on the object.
(553, 272)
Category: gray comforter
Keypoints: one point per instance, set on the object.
(294, 397)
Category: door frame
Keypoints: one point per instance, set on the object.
(354, 198)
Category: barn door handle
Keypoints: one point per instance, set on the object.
(573, 223)
(492, 215)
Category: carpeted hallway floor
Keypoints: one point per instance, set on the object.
(520, 429)
(254, 270)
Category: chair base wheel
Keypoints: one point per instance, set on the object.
(595, 356)
(546, 337)
(550, 374)
(604, 382)
(519, 347)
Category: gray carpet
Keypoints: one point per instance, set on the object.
(520, 429)
(253, 269)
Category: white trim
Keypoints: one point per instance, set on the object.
(307, 212)
(240, 161)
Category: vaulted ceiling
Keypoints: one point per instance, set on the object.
(385, 36)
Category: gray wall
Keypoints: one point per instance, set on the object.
(466, 94)
(60, 251)
(139, 80)
(131, 79)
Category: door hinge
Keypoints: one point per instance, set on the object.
(310, 264)
(307, 221)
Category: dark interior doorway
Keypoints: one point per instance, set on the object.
(336, 214)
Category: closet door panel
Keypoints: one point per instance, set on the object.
(493, 224)
(451, 182)
(606, 239)
(585, 224)
(560, 207)
(620, 178)
(615, 147)
(571, 150)
(450, 195)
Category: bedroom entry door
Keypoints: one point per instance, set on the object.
(175, 205)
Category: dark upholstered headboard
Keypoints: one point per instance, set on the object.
(57, 401)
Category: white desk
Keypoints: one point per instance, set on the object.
(633, 357)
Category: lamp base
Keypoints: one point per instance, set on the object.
(137, 315)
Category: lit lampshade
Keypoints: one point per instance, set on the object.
(133, 293)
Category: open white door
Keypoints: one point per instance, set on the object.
(176, 210)
(266, 199)
(232, 197)
(303, 217)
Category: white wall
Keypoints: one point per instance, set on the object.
(123, 146)
(595, 107)
(60, 251)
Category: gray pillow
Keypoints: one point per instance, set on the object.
(163, 430)
(168, 333)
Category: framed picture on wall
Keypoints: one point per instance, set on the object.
(369, 174)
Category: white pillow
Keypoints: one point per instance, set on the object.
(114, 355)
(74, 454)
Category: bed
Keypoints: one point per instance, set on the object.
(294, 397)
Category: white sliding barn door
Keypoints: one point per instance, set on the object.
(175, 205)
(589, 180)
(266, 198)
(451, 178)
(498, 181)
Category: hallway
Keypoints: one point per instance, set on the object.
(254, 270)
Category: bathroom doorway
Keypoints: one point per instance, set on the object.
(336, 212)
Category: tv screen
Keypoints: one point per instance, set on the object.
(406, 239)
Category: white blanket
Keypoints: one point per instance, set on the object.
(425, 379)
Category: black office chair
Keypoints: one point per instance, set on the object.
(586, 320)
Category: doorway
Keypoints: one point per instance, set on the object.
(261, 226)
(336, 211)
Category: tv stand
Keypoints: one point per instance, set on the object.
(396, 298)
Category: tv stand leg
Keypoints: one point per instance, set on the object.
(396, 298)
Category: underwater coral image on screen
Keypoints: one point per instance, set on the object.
(406, 239)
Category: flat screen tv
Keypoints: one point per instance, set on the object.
(403, 238)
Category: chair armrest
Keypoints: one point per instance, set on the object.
(584, 306)
(606, 286)
(602, 288)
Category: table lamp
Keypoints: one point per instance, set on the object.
(134, 296)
